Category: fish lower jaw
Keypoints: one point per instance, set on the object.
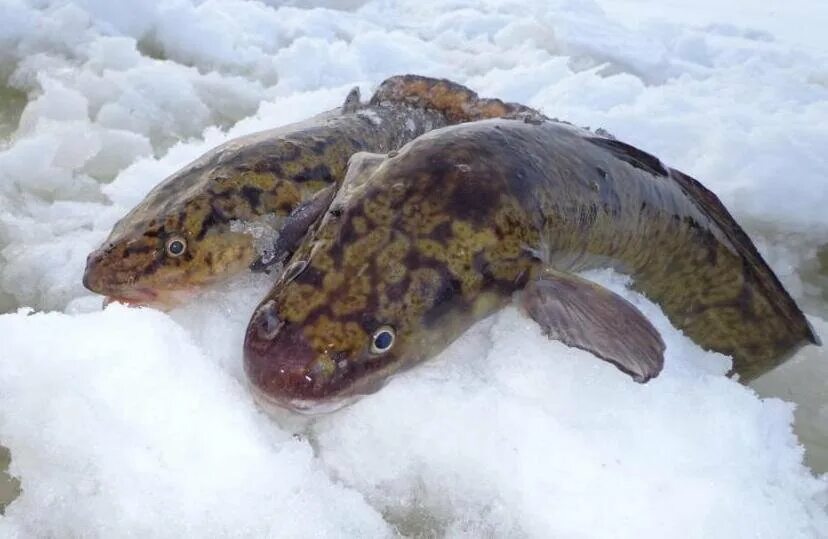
(276, 407)
(146, 297)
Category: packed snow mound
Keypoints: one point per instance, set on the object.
(119, 420)
(133, 420)
(133, 430)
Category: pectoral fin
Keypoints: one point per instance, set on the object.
(294, 228)
(585, 315)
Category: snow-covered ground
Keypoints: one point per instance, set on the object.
(134, 420)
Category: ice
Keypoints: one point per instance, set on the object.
(133, 421)
(265, 233)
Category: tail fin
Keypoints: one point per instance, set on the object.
(710, 204)
(758, 323)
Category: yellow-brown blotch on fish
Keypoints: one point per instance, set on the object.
(422, 243)
(192, 230)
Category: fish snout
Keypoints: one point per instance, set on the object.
(278, 359)
(102, 278)
(92, 275)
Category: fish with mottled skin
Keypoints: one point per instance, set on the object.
(464, 219)
(193, 229)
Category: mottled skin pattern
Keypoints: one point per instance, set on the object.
(263, 174)
(443, 233)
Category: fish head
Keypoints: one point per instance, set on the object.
(390, 277)
(205, 223)
(162, 258)
(169, 247)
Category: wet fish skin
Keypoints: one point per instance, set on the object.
(262, 179)
(444, 233)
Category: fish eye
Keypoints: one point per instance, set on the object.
(176, 246)
(383, 340)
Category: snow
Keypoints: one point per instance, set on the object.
(134, 420)
(264, 231)
(145, 450)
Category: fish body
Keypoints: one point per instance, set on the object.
(227, 210)
(445, 232)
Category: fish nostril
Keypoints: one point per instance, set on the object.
(268, 322)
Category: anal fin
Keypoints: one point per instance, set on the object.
(585, 315)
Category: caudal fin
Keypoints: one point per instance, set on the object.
(732, 303)
(784, 304)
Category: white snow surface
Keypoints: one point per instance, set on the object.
(135, 421)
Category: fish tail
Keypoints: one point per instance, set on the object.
(794, 330)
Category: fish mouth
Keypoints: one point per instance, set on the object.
(278, 363)
(275, 406)
(95, 279)
(160, 299)
(91, 274)
(134, 297)
(99, 279)
(164, 296)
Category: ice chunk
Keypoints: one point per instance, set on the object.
(264, 231)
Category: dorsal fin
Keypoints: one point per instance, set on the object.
(710, 204)
(456, 102)
(631, 155)
(352, 101)
(759, 280)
